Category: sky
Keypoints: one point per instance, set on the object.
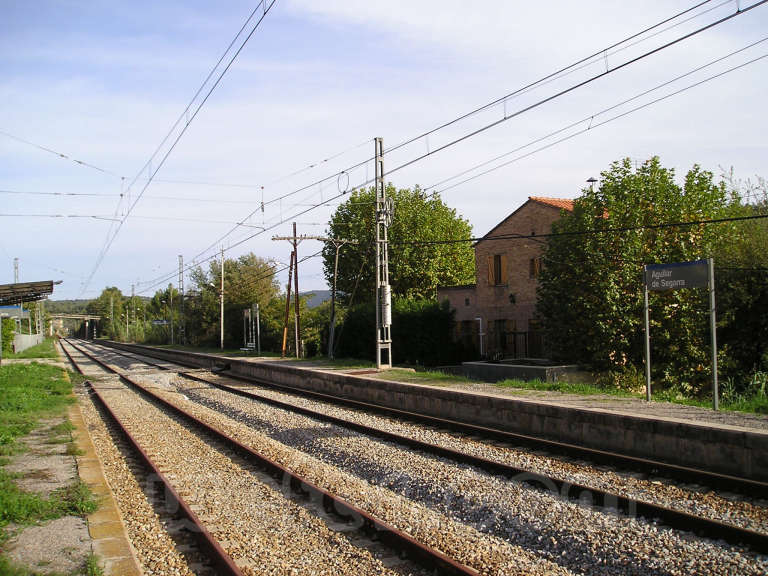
(103, 83)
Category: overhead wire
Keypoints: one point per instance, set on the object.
(648, 53)
(578, 85)
(578, 65)
(547, 78)
(265, 5)
(61, 155)
(591, 117)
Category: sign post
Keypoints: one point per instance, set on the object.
(676, 276)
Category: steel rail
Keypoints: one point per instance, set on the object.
(672, 518)
(397, 539)
(747, 486)
(219, 558)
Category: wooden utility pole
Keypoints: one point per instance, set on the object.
(287, 305)
(293, 274)
(296, 315)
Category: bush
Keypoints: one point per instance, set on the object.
(421, 331)
(9, 328)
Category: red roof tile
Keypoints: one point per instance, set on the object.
(562, 203)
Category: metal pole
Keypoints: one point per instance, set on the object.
(170, 305)
(296, 314)
(245, 329)
(713, 329)
(258, 331)
(182, 319)
(332, 327)
(221, 304)
(383, 294)
(647, 337)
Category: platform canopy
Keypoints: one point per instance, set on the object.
(25, 291)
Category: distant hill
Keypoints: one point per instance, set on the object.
(316, 297)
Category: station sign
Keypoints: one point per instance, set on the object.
(160, 322)
(677, 275)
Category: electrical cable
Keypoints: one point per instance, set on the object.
(266, 5)
(486, 127)
(681, 224)
(591, 117)
(61, 155)
(576, 86)
(557, 74)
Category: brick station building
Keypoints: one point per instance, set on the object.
(496, 314)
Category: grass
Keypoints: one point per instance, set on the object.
(756, 403)
(29, 392)
(46, 349)
(21, 507)
(565, 387)
(422, 376)
(92, 566)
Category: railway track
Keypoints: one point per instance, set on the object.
(714, 530)
(674, 518)
(682, 474)
(370, 528)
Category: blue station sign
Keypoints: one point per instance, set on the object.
(677, 275)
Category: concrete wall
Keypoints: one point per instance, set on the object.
(23, 341)
(723, 449)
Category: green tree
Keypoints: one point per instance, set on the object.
(741, 278)
(248, 280)
(111, 307)
(590, 297)
(415, 270)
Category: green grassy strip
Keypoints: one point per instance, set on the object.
(21, 507)
(45, 349)
(27, 393)
(755, 404)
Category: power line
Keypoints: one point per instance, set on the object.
(591, 117)
(615, 229)
(61, 155)
(562, 72)
(265, 6)
(93, 216)
(576, 86)
(339, 174)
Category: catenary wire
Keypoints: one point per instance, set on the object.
(266, 6)
(740, 11)
(595, 115)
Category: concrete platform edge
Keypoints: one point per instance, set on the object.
(722, 449)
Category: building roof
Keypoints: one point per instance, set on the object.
(558, 203)
(562, 203)
(25, 291)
